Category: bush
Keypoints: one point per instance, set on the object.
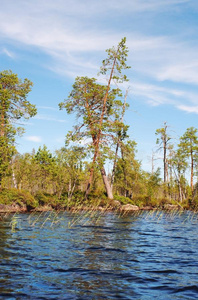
(124, 200)
(193, 203)
(41, 198)
(47, 199)
(96, 195)
(20, 197)
(141, 200)
(146, 200)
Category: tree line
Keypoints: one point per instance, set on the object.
(99, 138)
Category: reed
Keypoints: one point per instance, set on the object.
(91, 214)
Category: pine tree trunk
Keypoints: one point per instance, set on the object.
(114, 166)
(91, 175)
(180, 193)
(192, 171)
(180, 188)
(106, 183)
(118, 142)
(165, 168)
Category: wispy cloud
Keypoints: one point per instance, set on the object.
(157, 95)
(183, 72)
(164, 58)
(48, 108)
(49, 118)
(75, 47)
(8, 53)
(188, 109)
(33, 138)
(51, 27)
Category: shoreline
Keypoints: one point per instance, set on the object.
(127, 208)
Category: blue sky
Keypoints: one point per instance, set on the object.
(51, 42)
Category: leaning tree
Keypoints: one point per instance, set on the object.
(98, 110)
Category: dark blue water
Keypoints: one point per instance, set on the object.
(78, 256)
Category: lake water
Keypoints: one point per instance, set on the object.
(99, 256)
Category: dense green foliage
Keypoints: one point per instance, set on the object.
(60, 179)
(17, 197)
(13, 106)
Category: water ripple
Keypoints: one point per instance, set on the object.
(131, 257)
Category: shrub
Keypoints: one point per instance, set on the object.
(47, 199)
(124, 200)
(193, 203)
(20, 197)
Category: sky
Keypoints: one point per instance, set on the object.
(51, 42)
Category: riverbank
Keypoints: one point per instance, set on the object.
(127, 208)
(15, 201)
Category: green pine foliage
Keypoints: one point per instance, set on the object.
(13, 107)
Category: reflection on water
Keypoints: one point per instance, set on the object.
(143, 256)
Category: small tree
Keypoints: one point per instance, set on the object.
(46, 167)
(179, 166)
(128, 171)
(70, 175)
(189, 146)
(163, 142)
(153, 184)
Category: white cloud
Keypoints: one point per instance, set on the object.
(33, 138)
(189, 109)
(164, 58)
(159, 94)
(48, 108)
(8, 53)
(87, 8)
(53, 28)
(155, 94)
(48, 118)
(183, 72)
(69, 33)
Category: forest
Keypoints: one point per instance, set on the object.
(77, 173)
